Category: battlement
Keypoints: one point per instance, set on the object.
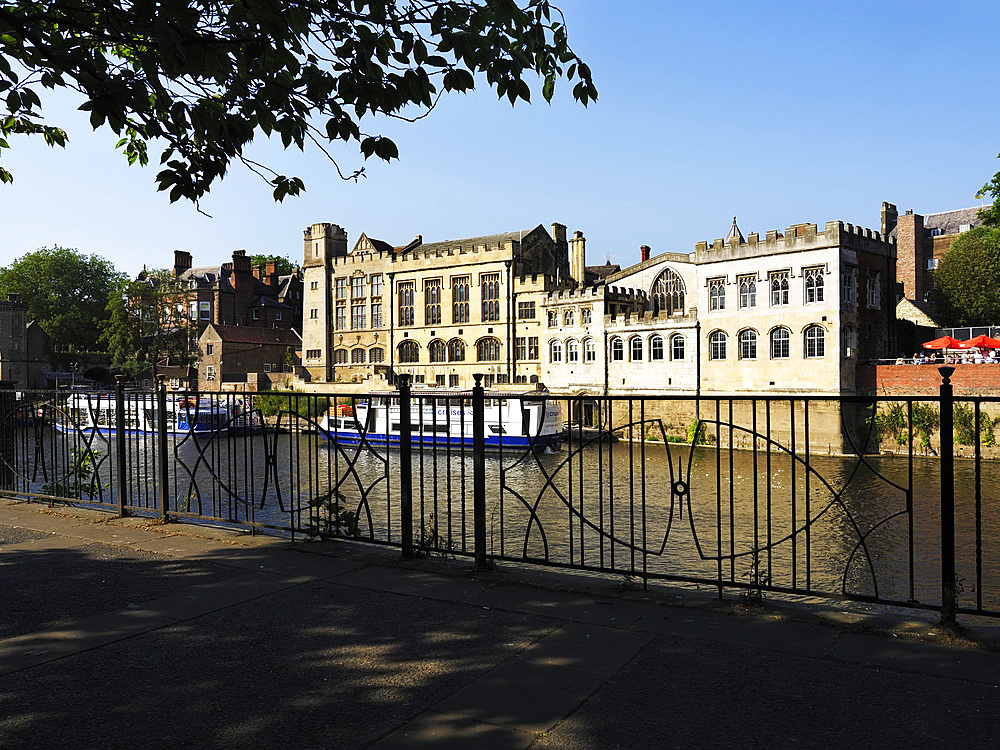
(325, 229)
(796, 238)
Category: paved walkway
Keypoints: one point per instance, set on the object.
(119, 634)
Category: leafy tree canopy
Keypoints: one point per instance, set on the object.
(205, 77)
(283, 265)
(967, 279)
(66, 293)
(144, 323)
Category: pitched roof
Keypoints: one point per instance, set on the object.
(950, 222)
(491, 240)
(250, 335)
(603, 271)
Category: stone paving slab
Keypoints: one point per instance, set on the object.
(402, 580)
(924, 658)
(599, 610)
(200, 600)
(586, 646)
(43, 646)
(454, 732)
(523, 694)
(772, 634)
(323, 645)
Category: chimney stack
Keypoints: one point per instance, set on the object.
(644, 253)
(577, 257)
(182, 261)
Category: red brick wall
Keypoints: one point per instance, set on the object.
(925, 380)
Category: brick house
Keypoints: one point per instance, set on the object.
(234, 294)
(244, 358)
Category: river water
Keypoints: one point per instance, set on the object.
(829, 525)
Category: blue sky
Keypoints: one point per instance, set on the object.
(776, 112)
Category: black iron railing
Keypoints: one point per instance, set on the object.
(889, 500)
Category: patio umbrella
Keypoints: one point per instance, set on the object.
(980, 342)
(945, 342)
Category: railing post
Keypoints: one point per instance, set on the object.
(8, 417)
(120, 447)
(479, 470)
(405, 467)
(163, 475)
(949, 605)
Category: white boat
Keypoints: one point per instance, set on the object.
(87, 413)
(443, 418)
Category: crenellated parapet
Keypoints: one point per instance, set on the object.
(796, 238)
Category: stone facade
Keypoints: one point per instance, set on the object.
(790, 313)
(438, 312)
(13, 344)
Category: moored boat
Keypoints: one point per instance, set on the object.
(87, 413)
(445, 418)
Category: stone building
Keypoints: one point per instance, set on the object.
(438, 312)
(13, 343)
(792, 312)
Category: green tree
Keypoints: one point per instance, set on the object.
(204, 78)
(283, 264)
(66, 293)
(967, 279)
(144, 323)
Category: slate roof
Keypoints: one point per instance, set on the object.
(491, 240)
(211, 274)
(249, 335)
(949, 222)
(603, 271)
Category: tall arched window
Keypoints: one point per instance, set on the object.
(340, 357)
(668, 292)
(617, 350)
(456, 350)
(409, 352)
(656, 348)
(748, 343)
(572, 351)
(357, 356)
(488, 350)
(781, 339)
(635, 348)
(717, 345)
(555, 351)
(677, 347)
(436, 351)
(815, 341)
(589, 350)
(376, 355)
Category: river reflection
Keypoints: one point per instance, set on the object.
(833, 526)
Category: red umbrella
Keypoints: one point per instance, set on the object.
(945, 342)
(979, 342)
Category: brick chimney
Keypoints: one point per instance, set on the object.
(271, 277)
(911, 257)
(242, 279)
(644, 253)
(182, 261)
